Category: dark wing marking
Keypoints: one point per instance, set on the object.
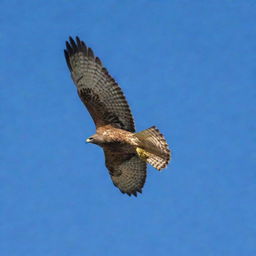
(127, 171)
(97, 89)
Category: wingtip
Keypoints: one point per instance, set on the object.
(90, 53)
(67, 59)
(135, 193)
(132, 193)
(77, 45)
(68, 46)
(98, 61)
(78, 42)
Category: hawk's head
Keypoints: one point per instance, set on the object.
(96, 139)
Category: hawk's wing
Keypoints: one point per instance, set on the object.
(127, 171)
(97, 89)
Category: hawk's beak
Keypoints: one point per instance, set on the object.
(87, 140)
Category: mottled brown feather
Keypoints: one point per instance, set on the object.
(127, 171)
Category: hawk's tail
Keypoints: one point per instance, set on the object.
(153, 148)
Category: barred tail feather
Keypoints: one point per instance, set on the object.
(153, 148)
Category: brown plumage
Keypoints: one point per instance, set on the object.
(126, 152)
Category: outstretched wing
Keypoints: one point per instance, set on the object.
(97, 89)
(127, 171)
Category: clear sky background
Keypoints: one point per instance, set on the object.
(188, 67)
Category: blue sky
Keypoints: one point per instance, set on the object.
(187, 67)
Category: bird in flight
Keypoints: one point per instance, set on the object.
(126, 152)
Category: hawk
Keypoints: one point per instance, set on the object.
(126, 152)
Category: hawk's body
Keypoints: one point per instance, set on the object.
(126, 152)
